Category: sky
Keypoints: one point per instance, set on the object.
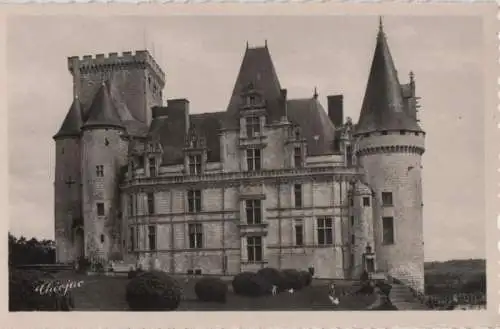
(201, 57)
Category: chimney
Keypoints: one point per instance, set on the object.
(336, 109)
(179, 109)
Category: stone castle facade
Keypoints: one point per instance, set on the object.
(271, 181)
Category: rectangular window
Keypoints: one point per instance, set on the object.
(352, 221)
(195, 164)
(348, 155)
(388, 230)
(132, 239)
(253, 211)
(197, 271)
(387, 199)
(254, 248)
(151, 203)
(152, 167)
(298, 195)
(253, 159)
(100, 209)
(190, 272)
(194, 201)
(297, 157)
(195, 236)
(152, 237)
(325, 231)
(353, 239)
(299, 234)
(252, 125)
(99, 171)
(366, 201)
(351, 201)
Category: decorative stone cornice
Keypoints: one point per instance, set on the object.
(237, 178)
(410, 149)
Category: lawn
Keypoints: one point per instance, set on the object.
(108, 294)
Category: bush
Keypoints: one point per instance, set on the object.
(385, 288)
(153, 291)
(211, 290)
(273, 277)
(134, 273)
(306, 278)
(83, 264)
(25, 293)
(250, 284)
(367, 288)
(293, 279)
(311, 270)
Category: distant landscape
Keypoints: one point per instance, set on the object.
(466, 279)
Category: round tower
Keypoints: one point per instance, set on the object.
(67, 187)
(362, 239)
(104, 152)
(389, 148)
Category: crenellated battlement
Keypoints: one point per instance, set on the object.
(115, 61)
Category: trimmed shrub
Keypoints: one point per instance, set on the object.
(311, 270)
(84, 264)
(306, 278)
(250, 284)
(273, 277)
(293, 279)
(211, 290)
(134, 273)
(385, 288)
(153, 291)
(367, 288)
(31, 290)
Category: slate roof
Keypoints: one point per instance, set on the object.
(256, 69)
(170, 131)
(383, 106)
(72, 122)
(316, 127)
(103, 111)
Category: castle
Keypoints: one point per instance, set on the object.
(270, 182)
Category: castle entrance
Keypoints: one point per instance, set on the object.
(79, 243)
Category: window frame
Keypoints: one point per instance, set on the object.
(253, 211)
(195, 235)
(324, 231)
(254, 249)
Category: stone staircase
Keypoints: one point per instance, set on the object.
(403, 298)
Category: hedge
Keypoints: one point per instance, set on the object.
(211, 290)
(28, 292)
(153, 291)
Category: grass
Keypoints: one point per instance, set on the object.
(108, 294)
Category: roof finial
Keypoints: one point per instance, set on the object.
(380, 25)
(247, 44)
(412, 77)
(265, 43)
(315, 95)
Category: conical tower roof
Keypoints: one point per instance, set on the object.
(257, 73)
(103, 111)
(72, 122)
(384, 106)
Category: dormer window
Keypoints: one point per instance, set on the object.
(152, 167)
(348, 155)
(195, 164)
(253, 126)
(297, 157)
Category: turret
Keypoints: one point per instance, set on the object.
(390, 144)
(361, 221)
(67, 187)
(104, 153)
